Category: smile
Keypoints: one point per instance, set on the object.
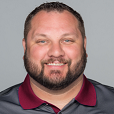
(55, 64)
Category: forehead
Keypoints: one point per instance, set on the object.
(54, 23)
(53, 18)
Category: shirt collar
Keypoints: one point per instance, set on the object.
(28, 100)
(87, 94)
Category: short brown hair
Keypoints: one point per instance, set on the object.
(53, 6)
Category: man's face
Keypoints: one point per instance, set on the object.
(55, 54)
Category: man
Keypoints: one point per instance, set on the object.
(55, 58)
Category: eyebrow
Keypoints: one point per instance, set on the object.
(67, 34)
(44, 35)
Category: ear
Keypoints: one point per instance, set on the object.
(85, 43)
(24, 45)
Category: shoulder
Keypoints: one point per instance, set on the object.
(9, 90)
(105, 97)
(8, 98)
(9, 93)
(99, 86)
(6, 91)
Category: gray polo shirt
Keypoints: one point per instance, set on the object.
(93, 98)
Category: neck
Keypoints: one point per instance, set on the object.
(59, 98)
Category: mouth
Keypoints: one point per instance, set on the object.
(56, 64)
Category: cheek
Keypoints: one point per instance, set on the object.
(73, 53)
(37, 53)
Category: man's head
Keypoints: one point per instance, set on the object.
(53, 6)
(55, 45)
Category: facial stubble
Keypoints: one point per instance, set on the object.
(55, 82)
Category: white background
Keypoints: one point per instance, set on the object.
(98, 16)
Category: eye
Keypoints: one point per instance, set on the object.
(67, 41)
(42, 41)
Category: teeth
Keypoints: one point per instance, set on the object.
(55, 64)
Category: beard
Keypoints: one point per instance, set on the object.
(55, 81)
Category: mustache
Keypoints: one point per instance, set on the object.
(60, 60)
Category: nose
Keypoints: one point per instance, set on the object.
(56, 50)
